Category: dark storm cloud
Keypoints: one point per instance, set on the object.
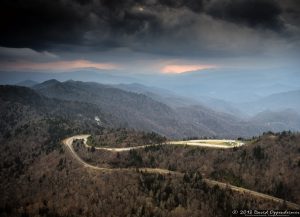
(126, 17)
(159, 25)
(254, 13)
(194, 5)
(36, 23)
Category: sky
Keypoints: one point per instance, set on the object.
(149, 36)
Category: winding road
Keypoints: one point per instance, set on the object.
(68, 142)
(213, 143)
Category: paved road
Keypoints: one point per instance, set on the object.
(122, 149)
(253, 193)
(199, 143)
(69, 141)
(212, 143)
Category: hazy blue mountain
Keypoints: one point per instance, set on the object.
(90, 74)
(27, 83)
(158, 94)
(274, 102)
(231, 85)
(217, 123)
(175, 100)
(278, 121)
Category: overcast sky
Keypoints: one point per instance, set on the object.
(149, 36)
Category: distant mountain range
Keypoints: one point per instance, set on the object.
(274, 102)
(87, 74)
(226, 85)
(139, 111)
(174, 100)
(144, 108)
(279, 120)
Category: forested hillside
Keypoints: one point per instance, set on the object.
(139, 111)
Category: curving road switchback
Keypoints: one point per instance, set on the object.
(68, 142)
(212, 143)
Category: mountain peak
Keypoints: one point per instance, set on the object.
(51, 81)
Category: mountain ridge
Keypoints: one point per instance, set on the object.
(140, 111)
